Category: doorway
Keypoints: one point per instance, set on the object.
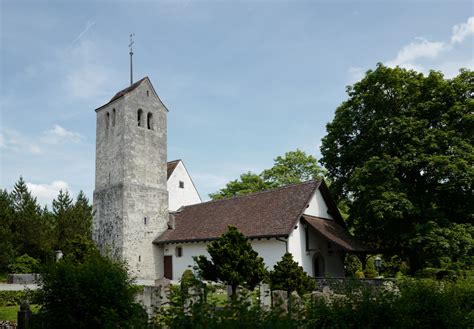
(168, 267)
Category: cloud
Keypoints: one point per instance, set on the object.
(463, 30)
(356, 74)
(437, 55)
(420, 48)
(59, 135)
(45, 193)
(11, 140)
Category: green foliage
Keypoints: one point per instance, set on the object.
(79, 248)
(24, 264)
(188, 281)
(293, 167)
(25, 228)
(96, 293)
(289, 276)
(31, 232)
(352, 265)
(233, 261)
(400, 152)
(394, 266)
(248, 183)
(445, 247)
(408, 304)
(10, 298)
(71, 220)
(6, 219)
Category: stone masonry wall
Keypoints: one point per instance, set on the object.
(131, 199)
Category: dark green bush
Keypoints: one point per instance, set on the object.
(94, 293)
(24, 264)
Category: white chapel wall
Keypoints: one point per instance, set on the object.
(181, 196)
(334, 264)
(270, 250)
(317, 206)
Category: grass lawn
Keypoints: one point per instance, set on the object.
(9, 313)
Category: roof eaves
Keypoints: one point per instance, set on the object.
(252, 237)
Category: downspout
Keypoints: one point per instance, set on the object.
(285, 241)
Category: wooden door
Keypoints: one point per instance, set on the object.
(168, 265)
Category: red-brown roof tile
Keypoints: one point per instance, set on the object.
(171, 165)
(270, 213)
(334, 233)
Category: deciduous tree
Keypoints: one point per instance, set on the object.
(400, 151)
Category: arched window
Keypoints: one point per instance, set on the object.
(107, 120)
(140, 117)
(113, 118)
(149, 121)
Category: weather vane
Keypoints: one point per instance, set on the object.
(131, 55)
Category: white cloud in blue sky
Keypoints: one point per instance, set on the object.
(244, 81)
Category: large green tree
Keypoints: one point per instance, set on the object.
(293, 167)
(400, 152)
(232, 261)
(71, 219)
(7, 250)
(31, 233)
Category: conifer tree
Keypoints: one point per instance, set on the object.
(233, 261)
(289, 276)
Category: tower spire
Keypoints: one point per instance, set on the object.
(131, 56)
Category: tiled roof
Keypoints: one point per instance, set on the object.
(334, 233)
(271, 213)
(171, 165)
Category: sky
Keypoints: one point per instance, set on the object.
(244, 81)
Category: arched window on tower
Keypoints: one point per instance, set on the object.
(140, 117)
(107, 120)
(113, 118)
(149, 121)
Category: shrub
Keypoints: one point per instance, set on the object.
(352, 265)
(24, 264)
(12, 298)
(289, 276)
(95, 293)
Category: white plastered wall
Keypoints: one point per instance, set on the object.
(317, 206)
(178, 196)
(334, 265)
(270, 250)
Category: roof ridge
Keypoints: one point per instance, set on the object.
(177, 160)
(255, 193)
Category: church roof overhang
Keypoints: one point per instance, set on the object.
(334, 232)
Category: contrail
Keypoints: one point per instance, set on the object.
(89, 24)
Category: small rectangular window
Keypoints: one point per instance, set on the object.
(181, 184)
(179, 251)
(144, 220)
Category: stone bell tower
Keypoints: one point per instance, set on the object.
(130, 196)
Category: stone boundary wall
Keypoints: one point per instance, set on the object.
(331, 282)
(23, 278)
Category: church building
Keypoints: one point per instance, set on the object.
(149, 213)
